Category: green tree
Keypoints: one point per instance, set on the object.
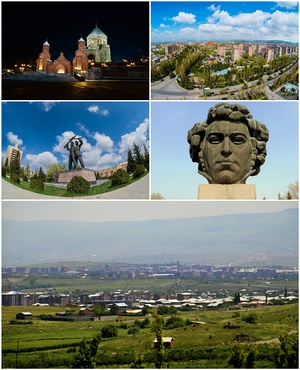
(250, 357)
(146, 158)
(15, 166)
(237, 357)
(85, 358)
(158, 328)
(41, 174)
(54, 169)
(130, 161)
(137, 154)
(109, 331)
(285, 352)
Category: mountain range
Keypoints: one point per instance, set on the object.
(240, 239)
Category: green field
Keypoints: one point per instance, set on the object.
(52, 344)
(96, 283)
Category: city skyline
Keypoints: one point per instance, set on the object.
(42, 129)
(221, 21)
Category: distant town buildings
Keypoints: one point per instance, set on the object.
(235, 50)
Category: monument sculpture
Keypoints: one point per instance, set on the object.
(76, 165)
(74, 152)
(229, 146)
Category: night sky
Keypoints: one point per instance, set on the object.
(27, 25)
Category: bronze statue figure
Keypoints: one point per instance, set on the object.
(74, 152)
(78, 156)
(229, 146)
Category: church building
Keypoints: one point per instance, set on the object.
(97, 51)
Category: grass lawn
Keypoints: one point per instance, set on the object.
(58, 192)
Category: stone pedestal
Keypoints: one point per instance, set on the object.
(235, 191)
(67, 176)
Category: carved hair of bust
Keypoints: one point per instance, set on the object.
(236, 113)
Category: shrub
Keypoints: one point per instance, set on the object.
(138, 171)
(17, 322)
(78, 185)
(15, 178)
(251, 318)
(174, 322)
(133, 330)
(37, 184)
(109, 331)
(25, 178)
(119, 177)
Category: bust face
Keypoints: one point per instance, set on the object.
(227, 152)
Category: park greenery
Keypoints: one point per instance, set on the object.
(191, 68)
(40, 182)
(201, 339)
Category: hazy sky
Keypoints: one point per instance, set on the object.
(175, 176)
(97, 211)
(203, 21)
(42, 129)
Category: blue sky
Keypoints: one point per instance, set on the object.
(42, 129)
(175, 176)
(203, 21)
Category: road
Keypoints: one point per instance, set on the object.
(169, 89)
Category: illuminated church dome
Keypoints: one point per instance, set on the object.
(98, 49)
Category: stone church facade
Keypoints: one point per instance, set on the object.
(96, 51)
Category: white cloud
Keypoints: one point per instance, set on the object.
(187, 31)
(47, 106)
(183, 17)
(103, 142)
(13, 139)
(62, 141)
(84, 129)
(287, 4)
(256, 25)
(95, 109)
(221, 25)
(139, 136)
(162, 25)
(36, 161)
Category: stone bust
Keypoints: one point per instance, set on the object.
(229, 146)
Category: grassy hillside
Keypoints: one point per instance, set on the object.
(52, 344)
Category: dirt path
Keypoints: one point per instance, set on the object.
(274, 340)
